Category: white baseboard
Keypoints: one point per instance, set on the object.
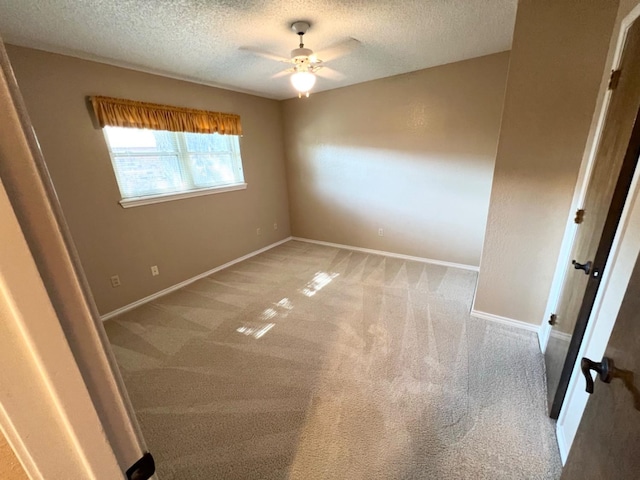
(389, 254)
(562, 444)
(505, 321)
(177, 286)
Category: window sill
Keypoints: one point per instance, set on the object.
(168, 197)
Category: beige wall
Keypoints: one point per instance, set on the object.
(557, 63)
(10, 468)
(412, 154)
(183, 237)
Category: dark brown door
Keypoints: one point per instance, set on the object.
(607, 444)
(610, 179)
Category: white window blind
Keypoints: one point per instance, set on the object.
(157, 163)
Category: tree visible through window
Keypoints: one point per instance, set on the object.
(154, 162)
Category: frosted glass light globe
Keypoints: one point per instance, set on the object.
(303, 81)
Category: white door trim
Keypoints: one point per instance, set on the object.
(622, 259)
(46, 412)
(584, 175)
(63, 406)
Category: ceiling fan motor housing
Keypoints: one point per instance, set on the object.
(301, 52)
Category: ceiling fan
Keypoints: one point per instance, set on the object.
(305, 64)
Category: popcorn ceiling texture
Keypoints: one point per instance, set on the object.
(311, 362)
(200, 40)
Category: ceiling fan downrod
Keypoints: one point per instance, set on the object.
(300, 28)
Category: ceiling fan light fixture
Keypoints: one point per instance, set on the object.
(303, 82)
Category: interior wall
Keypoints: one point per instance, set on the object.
(557, 61)
(411, 154)
(10, 468)
(183, 237)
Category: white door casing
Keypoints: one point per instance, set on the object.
(584, 176)
(615, 278)
(63, 407)
(622, 256)
(46, 412)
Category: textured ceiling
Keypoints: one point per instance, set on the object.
(206, 40)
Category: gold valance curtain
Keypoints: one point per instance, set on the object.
(118, 112)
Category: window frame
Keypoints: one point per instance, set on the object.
(182, 154)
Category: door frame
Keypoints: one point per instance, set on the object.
(614, 280)
(584, 175)
(64, 409)
(48, 418)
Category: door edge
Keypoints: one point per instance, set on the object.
(584, 174)
(610, 294)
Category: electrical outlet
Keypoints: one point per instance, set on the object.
(381, 232)
(258, 231)
(155, 271)
(115, 281)
(275, 226)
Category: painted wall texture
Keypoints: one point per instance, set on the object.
(183, 237)
(557, 63)
(10, 468)
(411, 154)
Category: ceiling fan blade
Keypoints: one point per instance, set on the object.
(338, 50)
(329, 73)
(261, 53)
(283, 73)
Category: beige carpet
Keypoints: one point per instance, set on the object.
(311, 362)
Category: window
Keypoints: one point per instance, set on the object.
(157, 165)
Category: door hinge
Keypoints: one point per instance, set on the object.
(553, 319)
(614, 79)
(143, 469)
(579, 216)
